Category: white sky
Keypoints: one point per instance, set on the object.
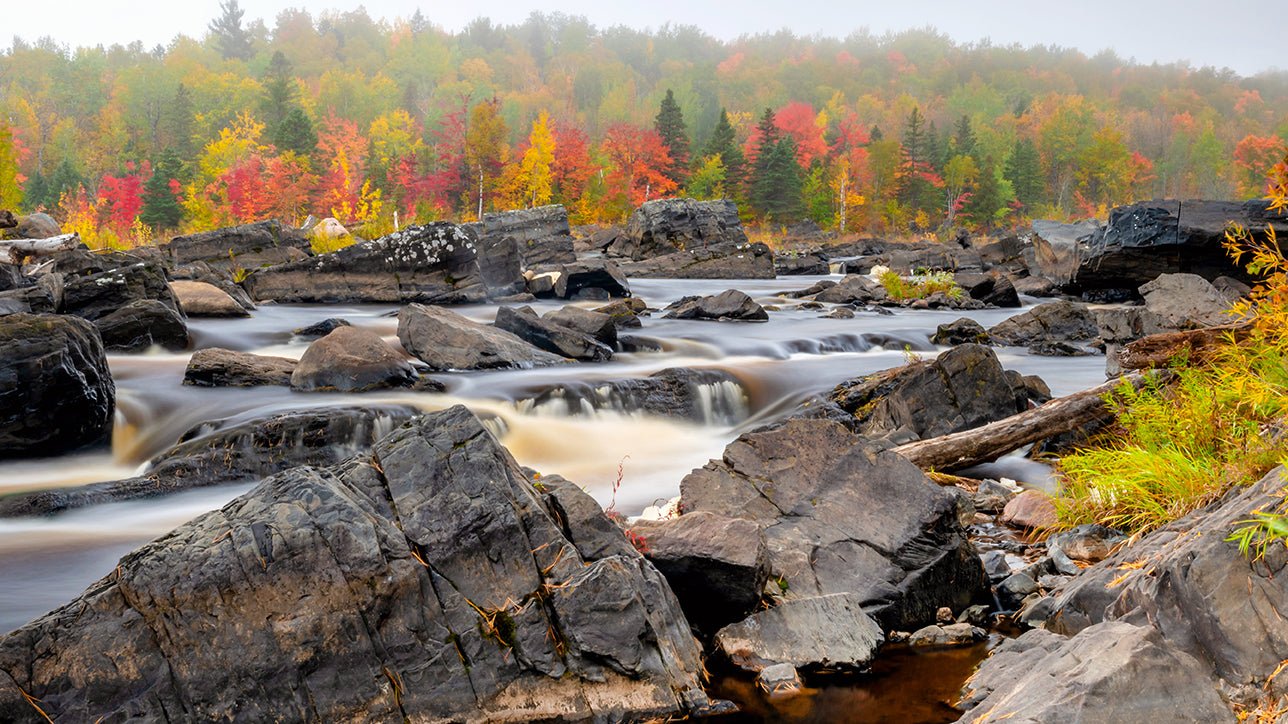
(1239, 34)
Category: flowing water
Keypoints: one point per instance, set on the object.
(46, 562)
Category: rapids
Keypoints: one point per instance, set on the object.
(46, 562)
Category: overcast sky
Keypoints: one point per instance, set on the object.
(1238, 34)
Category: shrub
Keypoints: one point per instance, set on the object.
(918, 286)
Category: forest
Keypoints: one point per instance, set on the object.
(380, 124)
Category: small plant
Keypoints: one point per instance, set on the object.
(611, 509)
(1257, 534)
(782, 584)
(919, 286)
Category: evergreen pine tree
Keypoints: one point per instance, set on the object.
(179, 118)
(876, 134)
(669, 124)
(766, 140)
(296, 133)
(936, 149)
(36, 192)
(1024, 171)
(279, 91)
(988, 198)
(65, 178)
(779, 188)
(230, 38)
(916, 191)
(724, 143)
(964, 138)
(161, 207)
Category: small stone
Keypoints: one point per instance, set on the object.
(779, 680)
(944, 615)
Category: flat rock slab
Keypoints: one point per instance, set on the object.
(824, 632)
(216, 367)
(447, 341)
(200, 299)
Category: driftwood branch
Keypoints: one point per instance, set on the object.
(15, 250)
(1193, 345)
(984, 444)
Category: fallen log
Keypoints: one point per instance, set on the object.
(15, 250)
(1194, 346)
(987, 443)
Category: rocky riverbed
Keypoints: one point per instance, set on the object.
(384, 523)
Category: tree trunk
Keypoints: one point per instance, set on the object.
(1192, 345)
(985, 444)
(14, 250)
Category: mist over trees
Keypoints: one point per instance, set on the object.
(347, 116)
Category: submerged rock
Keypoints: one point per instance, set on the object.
(216, 367)
(551, 337)
(142, 324)
(829, 632)
(426, 581)
(707, 396)
(56, 391)
(961, 331)
(729, 305)
(446, 341)
(351, 359)
(321, 329)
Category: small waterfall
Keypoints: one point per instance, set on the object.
(710, 397)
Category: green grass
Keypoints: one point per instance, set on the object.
(919, 286)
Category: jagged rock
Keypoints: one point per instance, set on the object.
(1054, 321)
(665, 226)
(720, 261)
(809, 291)
(1090, 543)
(962, 389)
(1115, 672)
(45, 296)
(215, 367)
(1057, 248)
(1059, 348)
(142, 324)
(436, 263)
(11, 277)
(913, 258)
(576, 279)
(624, 313)
(727, 305)
(961, 331)
(598, 325)
(1012, 591)
(321, 329)
(351, 359)
(840, 517)
(97, 295)
(541, 235)
(446, 341)
(829, 632)
(952, 634)
(551, 337)
(854, 288)
(56, 392)
(717, 566)
(1030, 509)
(199, 299)
(991, 496)
(797, 264)
(993, 289)
(708, 396)
(1186, 301)
(249, 246)
(428, 580)
(1010, 253)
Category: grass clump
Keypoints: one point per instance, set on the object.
(1178, 446)
(918, 286)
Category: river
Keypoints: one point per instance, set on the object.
(48, 561)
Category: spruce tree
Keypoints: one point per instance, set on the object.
(916, 191)
(230, 38)
(766, 140)
(876, 134)
(179, 119)
(724, 143)
(669, 124)
(988, 198)
(778, 190)
(161, 207)
(296, 133)
(1024, 171)
(36, 193)
(279, 91)
(964, 138)
(65, 178)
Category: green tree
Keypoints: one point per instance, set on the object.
(226, 32)
(10, 180)
(724, 144)
(917, 171)
(669, 124)
(963, 138)
(280, 92)
(296, 133)
(161, 207)
(1024, 172)
(708, 181)
(777, 192)
(178, 121)
(766, 139)
(990, 201)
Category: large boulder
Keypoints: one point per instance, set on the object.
(56, 392)
(576, 279)
(541, 235)
(34, 226)
(599, 325)
(216, 367)
(1057, 248)
(1113, 672)
(446, 341)
(830, 632)
(202, 299)
(233, 450)
(852, 289)
(247, 247)
(962, 389)
(717, 261)
(141, 325)
(99, 294)
(352, 359)
(427, 580)
(665, 226)
(551, 337)
(1186, 301)
(839, 516)
(708, 396)
(1061, 321)
(436, 263)
(729, 305)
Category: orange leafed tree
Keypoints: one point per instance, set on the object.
(638, 160)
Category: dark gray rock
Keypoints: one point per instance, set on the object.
(707, 396)
(552, 337)
(249, 246)
(436, 263)
(1115, 672)
(142, 324)
(991, 496)
(839, 517)
(56, 392)
(1054, 321)
(598, 325)
(34, 226)
(717, 566)
(577, 278)
(962, 389)
(97, 295)
(215, 367)
(829, 632)
(446, 341)
(665, 226)
(11, 277)
(952, 634)
(853, 288)
(727, 305)
(1012, 591)
(351, 359)
(814, 262)
(321, 329)
(1057, 249)
(720, 261)
(1186, 301)
(961, 331)
(541, 235)
(428, 580)
(1059, 348)
(624, 313)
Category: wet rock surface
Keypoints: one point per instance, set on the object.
(249, 246)
(351, 359)
(142, 324)
(551, 337)
(666, 226)
(427, 580)
(216, 367)
(830, 632)
(728, 305)
(709, 396)
(56, 391)
(446, 341)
